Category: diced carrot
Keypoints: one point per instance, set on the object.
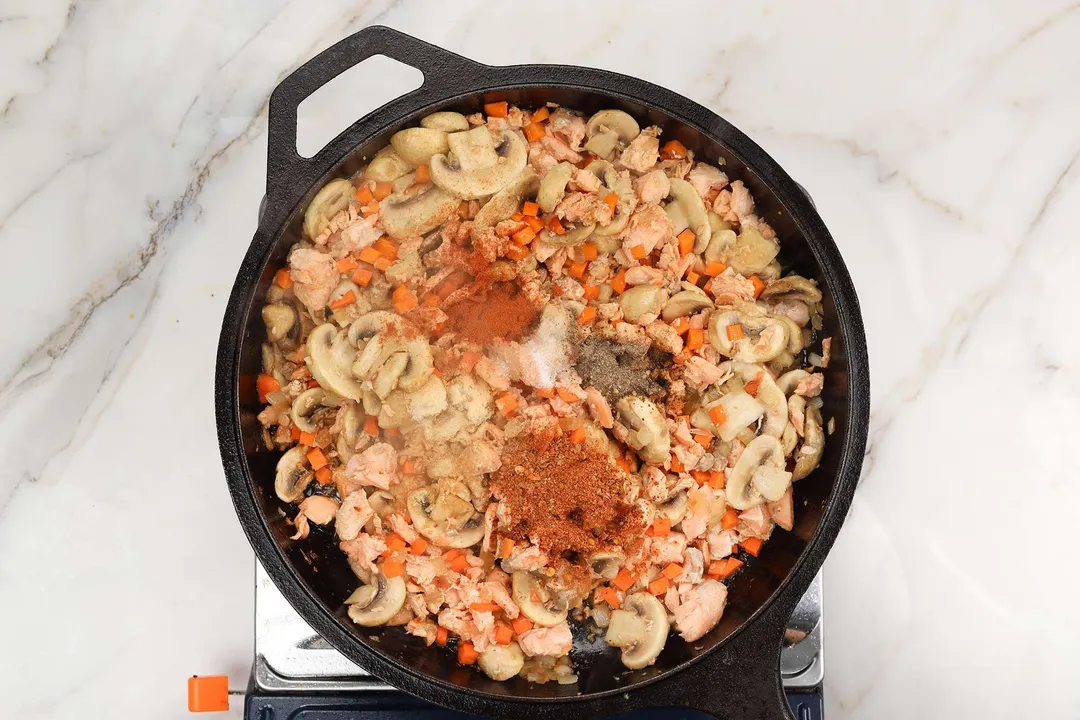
(577, 435)
(521, 624)
(469, 358)
(718, 414)
(717, 479)
(681, 325)
(463, 210)
(524, 236)
(714, 268)
(677, 465)
(383, 190)
(535, 223)
(370, 209)
(307, 438)
(294, 433)
(588, 314)
(659, 586)
(734, 332)
(545, 392)
(577, 270)
(507, 403)
(609, 595)
(466, 653)
(394, 432)
(695, 338)
(758, 285)
(497, 109)
(460, 564)
(673, 150)
(730, 519)
(506, 548)
(362, 277)
(517, 252)
(624, 579)
(346, 264)
(534, 131)
(702, 438)
(611, 200)
(369, 255)
(450, 554)
(404, 299)
(430, 301)
(483, 607)
(504, 635)
(567, 395)
(751, 388)
(316, 458)
(382, 264)
(441, 636)
(541, 115)
(700, 476)
(618, 283)
(724, 569)
(371, 425)
(423, 174)
(517, 217)
(283, 279)
(692, 277)
(751, 545)
(661, 526)
(672, 571)
(418, 546)
(386, 248)
(555, 226)
(395, 543)
(363, 194)
(592, 292)
(686, 242)
(638, 252)
(344, 301)
(266, 384)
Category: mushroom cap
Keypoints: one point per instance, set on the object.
(640, 627)
(685, 302)
(305, 405)
(502, 662)
(377, 602)
(808, 456)
(792, 287)
(606, 563)
(331, 199)
(404, 216)
(764, 337)
(549, 611)
(446, 121)
(674, 508)
(621, 123)
(480, 182)
(474, 149)
(420, 504)
(329, 357)
(386, 166)
(416, 145)
(292, 476)
(760, 465)
(649, 434)
(506, 202)
(553, 186)
(693, 209)
(751, 253)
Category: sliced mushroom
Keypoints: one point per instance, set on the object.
(279, 319)
(506, 202)
(386, 166)
(328, 202)
(620, 184)
(416, 145)
(574, 236)
(292, 475)
(751, 252)
(648, 432)
(720, 244)
(446, 121)
(763, 337)
(792, 287)
(553, 186)
(619, 122)
(808, 456)
(693, 209)
(740, 411)
(469, 184)
(473, 150)
(641, 303)
(387, 378)
(329, 357)
(352, 420)
(789, 380)
(789, 440)
(428, 400)
(770, 273)
(472, 397)
(640, 628)
(794, 334)
(674, 508)
(305, 406)
(676, 217)
(758, 474)
(502, 662)
(606, 563)
(405, 216)
(434, 517)
(685, 302)
(771, 398)
(537, 601)
(377, 602)
(382, 502)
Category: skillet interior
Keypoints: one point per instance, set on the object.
(321, 567)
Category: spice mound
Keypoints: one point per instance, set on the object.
(565, 497)
(618, 369)
(495, 312)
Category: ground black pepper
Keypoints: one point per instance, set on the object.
(618, 369)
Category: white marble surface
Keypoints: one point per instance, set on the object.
(939, 138)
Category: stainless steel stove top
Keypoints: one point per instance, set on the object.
(291, 657)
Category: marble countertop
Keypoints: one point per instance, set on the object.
(939, 139)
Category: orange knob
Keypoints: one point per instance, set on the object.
(208, 693)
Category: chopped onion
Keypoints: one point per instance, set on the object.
(815, 359)
(277, 397)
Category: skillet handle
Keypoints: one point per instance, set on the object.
(285, 168)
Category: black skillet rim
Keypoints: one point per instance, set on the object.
(493, 80)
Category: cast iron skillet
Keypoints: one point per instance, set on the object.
(733, 672)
